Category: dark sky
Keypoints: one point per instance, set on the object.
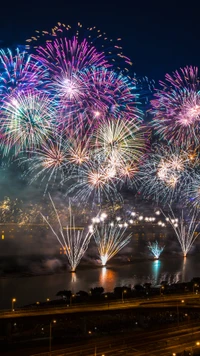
(159, 36)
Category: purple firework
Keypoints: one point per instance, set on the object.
(66, 56)
(176, 107)
(111, 94)
(101, 94)
(105, 51)
(19, 71)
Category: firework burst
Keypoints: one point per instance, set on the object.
(165, 173)
(177, 107)
(94, 181)
(47, 164)
(77, 68)
(110, 94)
(120, 141)
(79, 151)
(19, 71)
(27, 119)
(64, 56)
(99, 49)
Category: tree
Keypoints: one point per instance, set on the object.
(196, 280)
(97, 291)
(138, 287)
(147, 286)
(65, 294)
(82, 294)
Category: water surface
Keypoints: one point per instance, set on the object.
(38, 288)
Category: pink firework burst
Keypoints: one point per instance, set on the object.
(176, 107)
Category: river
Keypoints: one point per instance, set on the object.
(28, 290)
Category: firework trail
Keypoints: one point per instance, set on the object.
(155, 249)
(26, 121)
(165, 173)
(177, 107)
(73, 241)
(185, 230)
(110, 238)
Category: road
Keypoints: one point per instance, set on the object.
(156, 302)
(137, 343)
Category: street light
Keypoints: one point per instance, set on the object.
(162, 290)
(72, 296)
(193, 347)
(123, 292)
(13, 302)
(195, 285)
(50, 332)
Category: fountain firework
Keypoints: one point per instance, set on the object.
(185, 230)
(74, 241)
(155, 249)
(109, 237)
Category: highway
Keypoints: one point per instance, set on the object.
(155, 302)
(164, 341)
(138, 343)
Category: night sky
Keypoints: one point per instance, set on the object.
(159, 37)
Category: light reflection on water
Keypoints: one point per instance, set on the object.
(156, 270)
(107, 279)
(30, 289)
(185, 259)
